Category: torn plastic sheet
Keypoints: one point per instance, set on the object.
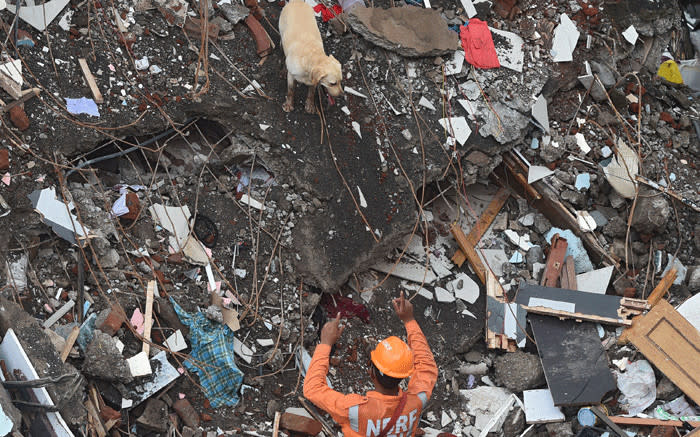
(638, 386)
(57, 214)
(245, 176)
(212, 347)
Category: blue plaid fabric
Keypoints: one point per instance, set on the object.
(212, 349)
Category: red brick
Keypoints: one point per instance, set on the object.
(187, 413)
(114, 320)
(300, 424)
(4, 159)
(19, 118)
(107, 413)
(132, 202)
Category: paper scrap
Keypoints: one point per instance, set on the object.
(540, 114)
(565, 39)
(426, 103)
(456, 127)
(621, 171)
(631, 35)
(82, 105)
(537, 172)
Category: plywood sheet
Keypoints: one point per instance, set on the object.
(574, 361)
(672, 344)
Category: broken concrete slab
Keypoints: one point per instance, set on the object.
(483, 403)
(155, 416)
(464, 288)
(509, 48)
(104, 361)
(409, 31)
(519, 371)
(410, 272)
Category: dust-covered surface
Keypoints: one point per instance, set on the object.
(337, 203)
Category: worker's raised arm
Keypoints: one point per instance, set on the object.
(425, 370)
(315, 387)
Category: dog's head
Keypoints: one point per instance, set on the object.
(329, 74)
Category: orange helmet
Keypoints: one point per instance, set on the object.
(393, 357)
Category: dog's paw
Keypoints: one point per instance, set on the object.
(310, 108)
(287, 106)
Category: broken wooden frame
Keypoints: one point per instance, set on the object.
(578, 305)
(670, 343)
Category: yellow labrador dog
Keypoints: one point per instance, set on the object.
(305, 58)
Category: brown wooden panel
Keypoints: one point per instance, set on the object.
(672, 344)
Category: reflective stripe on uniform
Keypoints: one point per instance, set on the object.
(354, 417)
(423, 398)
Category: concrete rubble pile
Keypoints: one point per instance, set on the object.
(173, 241)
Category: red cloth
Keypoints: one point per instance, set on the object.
(345, 306)
(328, 14)
(478, 44)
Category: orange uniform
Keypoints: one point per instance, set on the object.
(365, 416)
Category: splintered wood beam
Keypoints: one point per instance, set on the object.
(70, 341)
(148, 317)
(90, 79)
(662, 287)
(469, 251)
(483, 223)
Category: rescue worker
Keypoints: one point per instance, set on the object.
(388, 410)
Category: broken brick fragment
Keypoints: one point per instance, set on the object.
(132, 202)
(300, 424)
(4, 159)
(107, 414)
(111, 321)
(262, 41)
(19, 118)
(187, 413)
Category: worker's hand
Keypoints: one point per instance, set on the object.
(331, 331)
(403, 308)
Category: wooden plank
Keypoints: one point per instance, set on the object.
(469, 251)
(555, 262)
(576, 316)
(569, 274)
(310, 408)
(148, 316)
(70, 341)
(672, 344)
(574, 361)
(483, 223)
(639, 421)
(599, 305)
(90, 79)
(662, 287)
(92, 411)
(276, 424)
